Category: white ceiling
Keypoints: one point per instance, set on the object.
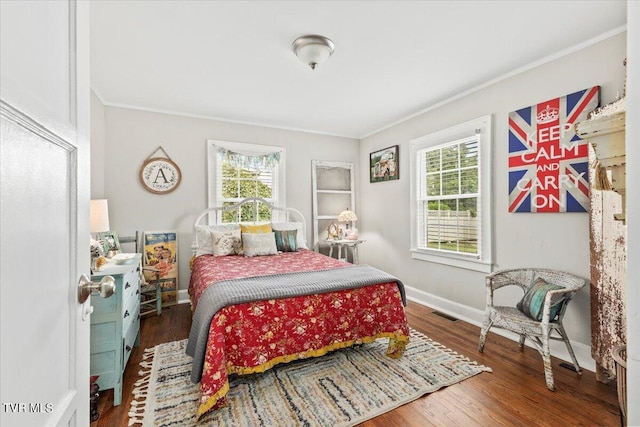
(233, 60)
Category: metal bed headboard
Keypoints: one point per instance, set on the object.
(211, 216)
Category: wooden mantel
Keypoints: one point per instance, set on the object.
(605, 131)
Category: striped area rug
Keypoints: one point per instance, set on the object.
(343, 388)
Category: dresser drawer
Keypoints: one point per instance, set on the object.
(130, 284)
(131, 317)
(130, 337)
(132, 295)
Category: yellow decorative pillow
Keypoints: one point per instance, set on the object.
(256, 228)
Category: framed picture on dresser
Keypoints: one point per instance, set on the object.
(160, 251)
(109, 241)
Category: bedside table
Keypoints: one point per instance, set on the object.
(115, 324)
(344, 243)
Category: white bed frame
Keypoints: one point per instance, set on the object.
(213, 216)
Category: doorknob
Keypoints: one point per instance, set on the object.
(86, 287)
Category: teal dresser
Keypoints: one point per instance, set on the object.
(115, 324)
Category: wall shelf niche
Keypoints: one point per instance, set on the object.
(333, 192)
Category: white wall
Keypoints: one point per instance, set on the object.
(98, 133)
(557, 241)
(131, 137)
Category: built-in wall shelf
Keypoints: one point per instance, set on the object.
(333, 192)
(334, 217)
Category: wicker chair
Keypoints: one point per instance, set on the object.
(539, 332)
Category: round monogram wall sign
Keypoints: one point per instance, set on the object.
(160, 175)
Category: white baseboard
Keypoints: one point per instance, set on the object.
(475, 317)
(183, 297)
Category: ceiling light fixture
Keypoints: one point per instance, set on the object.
(313, 49)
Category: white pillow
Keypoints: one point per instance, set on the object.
(226, 242)
(203, 236)
(258, 244)
(301, 239)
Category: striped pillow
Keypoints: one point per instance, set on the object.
(532, 303)
(286, 240)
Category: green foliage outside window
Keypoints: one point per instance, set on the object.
(453, 171)
(239, 183)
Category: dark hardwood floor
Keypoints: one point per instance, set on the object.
(513, 395)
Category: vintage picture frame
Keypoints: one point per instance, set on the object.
(333, 231)
(109, 241)
(160, 251)
(384, 165)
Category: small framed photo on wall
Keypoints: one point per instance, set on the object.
(384, 164)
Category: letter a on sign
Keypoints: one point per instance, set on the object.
(545, 154)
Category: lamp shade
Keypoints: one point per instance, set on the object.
(99, 216)
(347, 216)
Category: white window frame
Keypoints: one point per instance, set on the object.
(279, 198)
(483, 128)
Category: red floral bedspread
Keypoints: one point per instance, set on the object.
(253, 337)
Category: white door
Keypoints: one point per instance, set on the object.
(44, 231)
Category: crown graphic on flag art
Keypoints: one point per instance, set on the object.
(549, 114)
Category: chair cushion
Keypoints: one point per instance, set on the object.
(532, 303)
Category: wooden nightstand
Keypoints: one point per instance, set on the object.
(344, 243)
(115, 324)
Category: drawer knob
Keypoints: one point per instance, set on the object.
(127, 286)
(128, 348)
(126, 313)
(137, 291)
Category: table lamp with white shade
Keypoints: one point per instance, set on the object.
(99, 223)
(349, 217)
(99, 213)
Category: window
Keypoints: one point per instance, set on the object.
(451, 200)
(240, 170)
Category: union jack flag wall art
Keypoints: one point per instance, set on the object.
(548, 162)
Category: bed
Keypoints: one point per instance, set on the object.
(260, 297)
